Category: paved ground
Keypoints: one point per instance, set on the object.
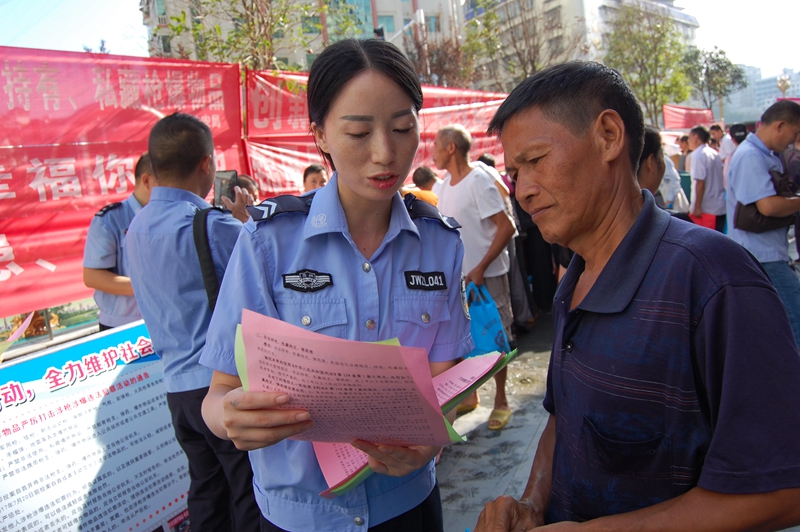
(493, 463)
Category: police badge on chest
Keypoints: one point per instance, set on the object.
(307, 280)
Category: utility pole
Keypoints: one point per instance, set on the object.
(374, 6)
(323, 20)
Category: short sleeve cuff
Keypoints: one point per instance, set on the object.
(99, 264)
(218, 360)
(748, 482)
(452, 350)
(548, 405)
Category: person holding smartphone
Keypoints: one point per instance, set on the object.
(168, 283)
(360, 239)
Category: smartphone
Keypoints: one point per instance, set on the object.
(223, 186)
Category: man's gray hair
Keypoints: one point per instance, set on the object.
(458, 135)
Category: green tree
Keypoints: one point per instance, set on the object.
(644, 46)
(712, 75)
(251, 32)
(483, 42)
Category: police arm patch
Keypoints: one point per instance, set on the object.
(464, 302)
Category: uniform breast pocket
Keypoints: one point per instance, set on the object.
(417, 319)
(323, 315)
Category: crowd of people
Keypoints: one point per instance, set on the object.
(671, 391)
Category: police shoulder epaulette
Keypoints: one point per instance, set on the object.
(268, 209)
(421, 209)
(109, 207)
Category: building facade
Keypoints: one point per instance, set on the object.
(567, 29)
(440, 17)
(748, 104)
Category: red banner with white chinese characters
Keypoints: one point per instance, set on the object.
(279, 170)
(73, 127)
(279, 145)
(276, 103)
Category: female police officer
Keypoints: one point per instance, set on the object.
(365, 248)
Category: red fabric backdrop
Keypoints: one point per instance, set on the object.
(676, 117)
(74, 125)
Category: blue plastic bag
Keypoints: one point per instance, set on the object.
(486, 326)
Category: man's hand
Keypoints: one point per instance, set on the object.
(505, 231)
(699, 194)
(238, 208)
(507, 514)
(394, 460)
(475, 276)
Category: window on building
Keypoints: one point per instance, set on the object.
(166, 47)
(387, 21)
(406, 21)
(556, 45)
(161, 10)
(311, 24)
(432, 24)
(552, 18)
(310, 58)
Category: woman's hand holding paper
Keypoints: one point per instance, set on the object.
(395, 460)
(250, 419)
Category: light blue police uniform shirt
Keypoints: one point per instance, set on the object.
(287, 477)
(748, 182)
(168, 283)
(105, 250)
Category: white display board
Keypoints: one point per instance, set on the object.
(86, 440)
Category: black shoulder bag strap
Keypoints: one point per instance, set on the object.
(200, 231)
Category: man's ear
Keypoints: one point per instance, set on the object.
(319, 136)
(609, 133)
(149, 181)
(205, 164)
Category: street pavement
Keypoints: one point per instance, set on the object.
(492, 463)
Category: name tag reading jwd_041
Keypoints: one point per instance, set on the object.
(416, 280)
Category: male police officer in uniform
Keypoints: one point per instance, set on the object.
(103, 257)
(168, 279)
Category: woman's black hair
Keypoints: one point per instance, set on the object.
(652, 144)
(343, 60)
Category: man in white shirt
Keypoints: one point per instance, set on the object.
(708, 193)
(469, 194)
(726, 148)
